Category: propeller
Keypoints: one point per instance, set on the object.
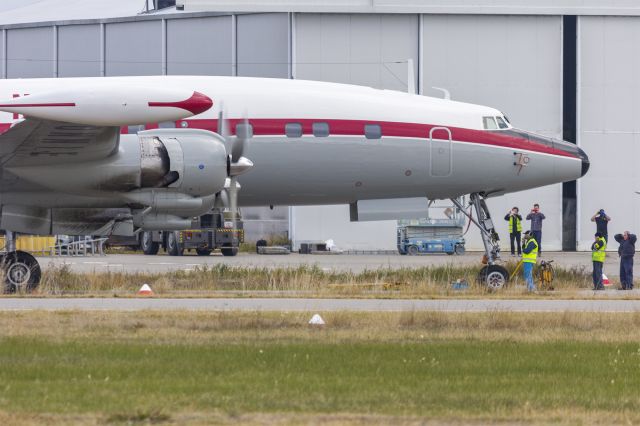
(238, 164)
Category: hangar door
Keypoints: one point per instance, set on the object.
(440, 152)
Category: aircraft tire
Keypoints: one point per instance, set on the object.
(494, 277)
(22, 272)
(174, 248)
(148, 246)
(459, 250)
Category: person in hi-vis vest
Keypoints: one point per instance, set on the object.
(598, 255)
(529, 258)
(515, 229)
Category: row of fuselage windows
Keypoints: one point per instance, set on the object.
(291, 130)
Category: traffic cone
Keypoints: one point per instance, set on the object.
(316, 320)
(605, 280)
(145, 290)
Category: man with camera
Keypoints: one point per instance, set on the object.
(515, 229)
(602, 222)
(536, 217)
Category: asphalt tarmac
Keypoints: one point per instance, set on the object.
(317, 305)
(340, 262)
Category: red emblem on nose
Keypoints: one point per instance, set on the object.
(196, 104)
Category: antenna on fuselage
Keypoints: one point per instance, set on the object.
(445, 93)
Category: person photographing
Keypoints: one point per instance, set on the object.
(602, 221)
(515, 229)
(529, 258)
(598, 255)
(536, 217)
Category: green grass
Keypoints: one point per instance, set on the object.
(170, 367)
(470, 379)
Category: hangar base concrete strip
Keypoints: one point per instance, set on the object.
(320, 305)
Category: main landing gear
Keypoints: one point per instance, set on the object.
(20, 269)
(492, 275)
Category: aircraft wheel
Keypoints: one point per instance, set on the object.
(174, 248)
(203, 251)
(22, 272)
(493, 276)
(147, 245)
(459, 249)
(412, 250)
(229, 251)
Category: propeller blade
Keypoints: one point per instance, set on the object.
(233, 200)
(244, 132)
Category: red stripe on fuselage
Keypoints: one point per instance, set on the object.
(276, 127)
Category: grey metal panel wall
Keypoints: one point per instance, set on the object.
(262, 41)
(30, 52)
(369, 50)
(512, 63)
(609, 122)
(134, 48)
(79, 50)
(199, 46)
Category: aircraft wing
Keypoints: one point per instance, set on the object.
(82, 123)
(34, 142)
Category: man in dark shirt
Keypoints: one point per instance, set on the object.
(536, 217)
(515, 229)
(626, 251)
(602, 222)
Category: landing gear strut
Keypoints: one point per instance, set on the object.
(21, 270)
(492, 275)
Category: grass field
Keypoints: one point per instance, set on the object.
(176, 367)
(432, 281)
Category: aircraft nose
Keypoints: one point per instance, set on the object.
(585, 161)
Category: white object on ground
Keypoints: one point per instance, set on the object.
(316, 320)
(145, 290)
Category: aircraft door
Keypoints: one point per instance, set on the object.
(440, 152)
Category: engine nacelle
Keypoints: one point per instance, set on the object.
(162, 222)
(197, 161)
(186, 161)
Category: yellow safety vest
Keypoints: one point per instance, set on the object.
(533, 256)
(518, 224)
(598, 255)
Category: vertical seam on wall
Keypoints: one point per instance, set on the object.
(163, 54)
(578, 126)
(103, 50)
(293, 45)
(234, 45)
(420, 53)
(55, 50)
(4, 51)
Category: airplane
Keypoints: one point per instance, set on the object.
(69, 166)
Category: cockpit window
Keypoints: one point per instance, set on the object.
(501, 123)
(489, 123)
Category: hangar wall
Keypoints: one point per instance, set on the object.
(609, 122)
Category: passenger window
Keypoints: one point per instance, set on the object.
(372, 131)
(320, 130)
(501, 123)
(293, 130)
(244, 130)
(489, 123)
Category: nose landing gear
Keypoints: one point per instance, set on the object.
(494, 276)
